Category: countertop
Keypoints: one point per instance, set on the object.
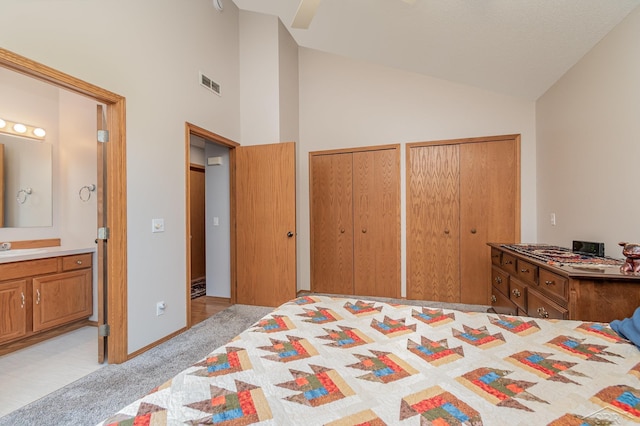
(17, 255)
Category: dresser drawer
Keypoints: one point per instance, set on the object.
(539, 306)
(496, 256)
(500, 280)
(527, 272)
(77, 261)
(555, 284)
(27, 268)
(501, 303)
(509, 263)
(518, 293)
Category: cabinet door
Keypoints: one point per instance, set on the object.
(61, 298)
(433, 269)
(13, 310)
(376, 230)
(488, 205)
(332, 223)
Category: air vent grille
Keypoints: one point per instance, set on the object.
(209, 84)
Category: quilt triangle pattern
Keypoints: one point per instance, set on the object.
(391, 327)
(433, 317)
(322, 386)
(435, 406)
(292, 350)
(434, 352)
(361, 308)
(576, 347)
(622, 398)
(384, 367)
(515, 325)
(219, 364)
(542, 365)
(600, 330)
(320, 315)
(275, 324)
(148, 414)
(346, 337)
(479, 337)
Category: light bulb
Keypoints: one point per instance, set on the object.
(2, 123)
(19, 128)
(39, 132)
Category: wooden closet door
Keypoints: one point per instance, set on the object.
(376, 229)
(433, 254)
(332, 223)
(488, 200)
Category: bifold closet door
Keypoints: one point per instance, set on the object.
(332, 223)
(376, 217)
(433, 228)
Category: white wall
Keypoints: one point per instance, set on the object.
(347, 103)
(588, 127)
(150, 52)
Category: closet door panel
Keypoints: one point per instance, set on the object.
(376, 223)
(433, 223)
(487, 199)
(332, 223)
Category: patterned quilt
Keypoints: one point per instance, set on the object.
(337, 361)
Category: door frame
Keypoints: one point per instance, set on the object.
(189, 130)
(115, 194)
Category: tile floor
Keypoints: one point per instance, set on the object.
(33, 372)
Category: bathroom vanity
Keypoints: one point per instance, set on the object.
(42, 290)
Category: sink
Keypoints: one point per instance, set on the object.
(21, 252)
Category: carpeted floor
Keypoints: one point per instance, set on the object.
(95, 397)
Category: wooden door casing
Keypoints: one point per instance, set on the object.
(265, 224)
(433, 230)
(376, 188)
(332, 223)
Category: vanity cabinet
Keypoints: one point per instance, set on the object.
(522, 285)
(42, 294)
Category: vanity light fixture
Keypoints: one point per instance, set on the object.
(24, 130)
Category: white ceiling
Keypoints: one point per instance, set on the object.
(515, 47)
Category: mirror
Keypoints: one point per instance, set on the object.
(25, 182)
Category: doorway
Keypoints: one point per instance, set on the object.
(114, 271)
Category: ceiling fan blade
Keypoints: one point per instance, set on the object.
(304, 15)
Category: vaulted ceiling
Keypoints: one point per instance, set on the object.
(515, 47)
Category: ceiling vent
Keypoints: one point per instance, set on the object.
(209, 84)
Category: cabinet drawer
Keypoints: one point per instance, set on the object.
(555, 284)
(518, 293)
(539, 306)
(509, 263)
(28, 268)
(78, 261)
(496, 256)
(527, 272)
(501, 303)
(500, 280)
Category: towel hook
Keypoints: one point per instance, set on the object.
(23, 194)
(85, 192)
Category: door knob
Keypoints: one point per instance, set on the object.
(446, 231)
(473, 230)
(342, 230)
(289, 234)
(364, 230)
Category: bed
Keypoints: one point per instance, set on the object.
(320, 360)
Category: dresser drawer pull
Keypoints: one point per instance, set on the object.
(79, 262)
(38, 296)
(22, 301)
(524, 271)
(499, 280)
(494, 299)
(508, 262)
(516, 292)
(543, 313)
(550, 282)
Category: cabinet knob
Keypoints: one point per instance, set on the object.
(507, 262)
(499, 280)
(37, 296)
(342, 230)
(524, 271)
(494, 299)
(543, 313)
(516, 292)
(364, 230)
(22, 300)
(446, 231)
(549, 282)
(473, 230)
(79, 262)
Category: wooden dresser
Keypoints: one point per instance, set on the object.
(524, 285)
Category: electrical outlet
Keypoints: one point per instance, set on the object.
(160, 307)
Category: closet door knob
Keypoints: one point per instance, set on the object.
(342, 230)
(289, 234)
(364, 230)
(446, 231)
(473, 230)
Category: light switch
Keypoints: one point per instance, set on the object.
(157, 225)
(216, 221)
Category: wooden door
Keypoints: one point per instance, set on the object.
(488, 200)
(197, 221)
(433, 182)
(265, 224)
(331, 223)
(376, 216)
